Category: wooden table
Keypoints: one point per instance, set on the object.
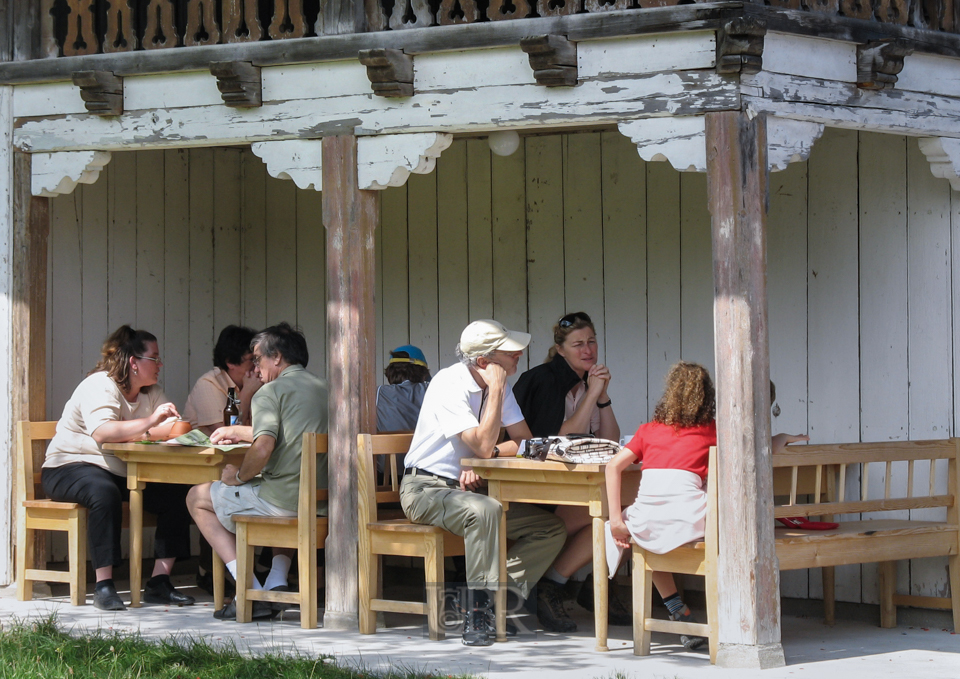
(162, 463)
(556, 483)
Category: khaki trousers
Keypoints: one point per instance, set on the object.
(539, 535)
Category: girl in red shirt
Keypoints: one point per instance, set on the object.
(671, 505)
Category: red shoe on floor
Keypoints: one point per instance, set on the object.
(802, 523)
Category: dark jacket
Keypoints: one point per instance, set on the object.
(541, 393)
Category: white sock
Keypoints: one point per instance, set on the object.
(555, 576)
(279, 569)
(232, 569)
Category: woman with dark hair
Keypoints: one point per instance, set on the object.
(119, 401)
(568, 395)
(399, 401)
(233, 369)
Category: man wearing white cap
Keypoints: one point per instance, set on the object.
(462, 412)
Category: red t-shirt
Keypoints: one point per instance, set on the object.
(660, 446)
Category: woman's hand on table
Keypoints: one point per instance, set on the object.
(164, 413)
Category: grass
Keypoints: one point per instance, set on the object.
(42, 649)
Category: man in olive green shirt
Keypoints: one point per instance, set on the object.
(290, 403)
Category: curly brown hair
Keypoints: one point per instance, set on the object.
(116, 352)
(689, 399)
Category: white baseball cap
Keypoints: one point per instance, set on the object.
(482, 337)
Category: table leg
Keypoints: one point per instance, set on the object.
(136, 538)
(600, 584)
(501, 598)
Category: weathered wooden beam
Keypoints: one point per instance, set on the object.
(740, 45)
(749, 615)
(390, 72)
(879, 62)
(338, 17)
(553, 59)
(101, 91)
(239, 83)
(350, 217)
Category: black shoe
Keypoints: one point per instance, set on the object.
(550, 611)
(689, 643)
(617, 611)
(261, 609)
(159, 590)
(205, 582)
(105, 597)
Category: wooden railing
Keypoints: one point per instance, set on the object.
(72, 27)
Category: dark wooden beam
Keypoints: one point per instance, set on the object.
(239, 83)
(737, 197)
(878, 64)
(390, 72)
(350, 217)
(740, 46)
(553, 59)
(101, 91)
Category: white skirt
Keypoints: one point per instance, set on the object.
(670, 511)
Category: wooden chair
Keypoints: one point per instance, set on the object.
(695, 558)
(38, 514)
(396, 537)
(304, 532)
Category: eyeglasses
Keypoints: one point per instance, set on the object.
(256, 360)
(156, 360)
(571, 319)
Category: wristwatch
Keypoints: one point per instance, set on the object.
(496, 451)
(239, 480)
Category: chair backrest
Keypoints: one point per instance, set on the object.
(369, 447)
(313, 444)
(712, 530)
(27, 434)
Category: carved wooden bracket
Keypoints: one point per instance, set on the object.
(553, 59)
(879, 62)
(682, 141)
(239, 83)
(740, 46)
(943, 154)
(388, 160)
(54, 174)
(299, 160)
(390, 72)
(101, 91)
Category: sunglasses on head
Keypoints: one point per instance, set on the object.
(571, 319)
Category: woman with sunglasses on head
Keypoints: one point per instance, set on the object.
(568, 395)
(119, 401)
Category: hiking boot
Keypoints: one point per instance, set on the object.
(550, 611)
(478, 618)
(689, 643)
(617, 611)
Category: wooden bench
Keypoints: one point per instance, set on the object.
(396, 536)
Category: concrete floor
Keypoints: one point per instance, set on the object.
(847, 650)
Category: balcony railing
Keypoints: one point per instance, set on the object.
(73, 27)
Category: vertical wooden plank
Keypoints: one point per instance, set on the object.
(22, 32)
(883, 307)
(787, 294)
(832, 301)
(11, 185)
(150, 247)
(253, 241)
(281, 272)
(929, 348)
(122, 255)
(422, 255)
(311, 278)
(696, 279)
(349, 215)
(583, 226)
(624, 341)
(201, 329)
(94, 283)
(395, 309)
(663, 279)
(176, 275)
(508, 222)
(66, 302)
(226, 238)
(452, 260)
(749, 619)
(479, 228)
(545, 243)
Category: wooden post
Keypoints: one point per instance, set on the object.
(749, 613)
(350, 217)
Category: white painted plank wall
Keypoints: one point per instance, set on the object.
(570, 222)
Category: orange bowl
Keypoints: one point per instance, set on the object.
(179, 428)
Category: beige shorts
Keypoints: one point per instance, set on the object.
(231, 500)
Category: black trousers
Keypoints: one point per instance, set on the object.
(103, 493)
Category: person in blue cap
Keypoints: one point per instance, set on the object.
(399, 401)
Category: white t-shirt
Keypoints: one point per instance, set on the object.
(451, 406)
(95, 401)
